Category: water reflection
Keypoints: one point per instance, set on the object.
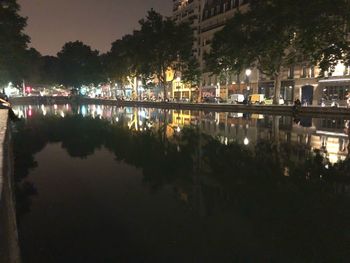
(251, 188)
(329, 136)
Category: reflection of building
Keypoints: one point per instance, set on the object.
(325, 135)
(308, 134)
(181, 118)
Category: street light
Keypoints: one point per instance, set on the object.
(248, 72)
(246, 141)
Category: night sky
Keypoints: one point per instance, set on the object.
(98, 23)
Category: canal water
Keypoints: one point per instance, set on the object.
(105, 184)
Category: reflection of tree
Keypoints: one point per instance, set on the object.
(304, 212)
(81, 137)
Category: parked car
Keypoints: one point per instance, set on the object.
(213, 100)
(182, 100)
(269, 101)
(236, 99)
(256, 99)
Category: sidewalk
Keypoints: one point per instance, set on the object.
(9, 244)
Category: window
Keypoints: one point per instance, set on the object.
(303, 72)
(312, 72)
(291, 73)
(336, 92)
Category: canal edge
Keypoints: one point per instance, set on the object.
(9, 240)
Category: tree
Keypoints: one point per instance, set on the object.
(273, 35)
(33, 67)
(121, 61)
(191, 72)
(13, 41)
(50, 70)
(80, 65)
(162, 44)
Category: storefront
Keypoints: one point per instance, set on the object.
(209, 91)
(182, 91)
(266, 88)
(287, 91)
(334, 90)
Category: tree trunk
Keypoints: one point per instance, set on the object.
(164, 83)
(277, 85)
(239, 83)
(165, 90)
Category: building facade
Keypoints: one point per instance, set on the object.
(299, 82)
(187, 11)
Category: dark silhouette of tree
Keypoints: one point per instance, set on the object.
(80, 65)
(163, 44)
(150, 52)
(50, 70)
(33, 67)
(13, 42)
(122, 61)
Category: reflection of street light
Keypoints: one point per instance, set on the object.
(178, 129)
(246, 140)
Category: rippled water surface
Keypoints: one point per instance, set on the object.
(106, 184)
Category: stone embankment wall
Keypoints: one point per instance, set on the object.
(9, 243)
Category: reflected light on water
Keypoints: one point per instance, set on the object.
(330, 136)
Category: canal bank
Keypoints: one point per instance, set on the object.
(262, 109)
(9, 244)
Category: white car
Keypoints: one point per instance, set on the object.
(235, 99)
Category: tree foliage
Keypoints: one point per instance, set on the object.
(160, 44)
(50, 70)
(13, 41)
(122, 60)
(80, 65)
(273, 35)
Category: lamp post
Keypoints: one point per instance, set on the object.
(248, 72)
(139, 85)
